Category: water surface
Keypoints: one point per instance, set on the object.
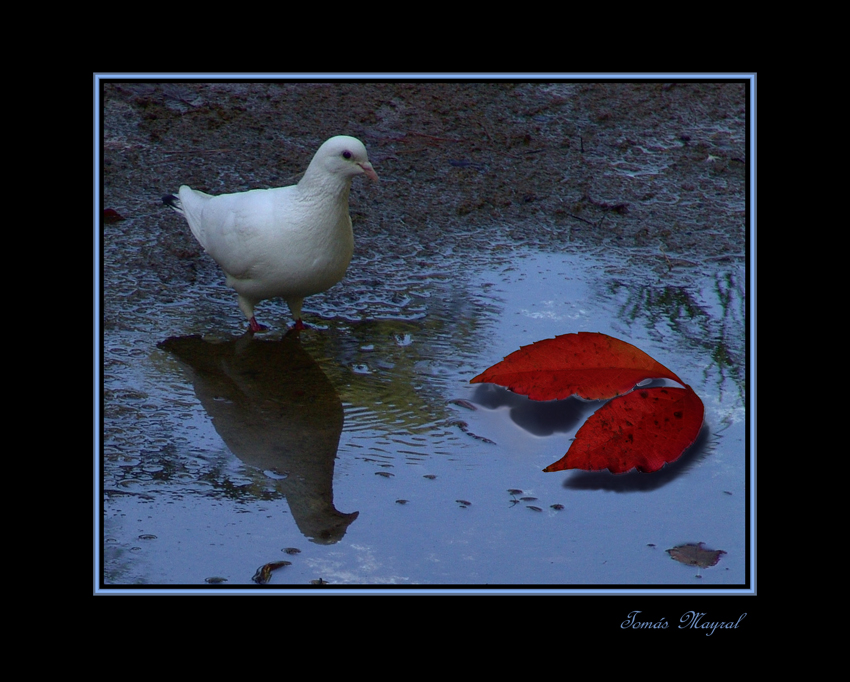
(362, 444)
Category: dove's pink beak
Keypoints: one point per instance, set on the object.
(370, 172)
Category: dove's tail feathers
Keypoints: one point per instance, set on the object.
(173, 202)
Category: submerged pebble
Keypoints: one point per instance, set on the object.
(264, 572)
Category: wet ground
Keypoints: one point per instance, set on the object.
(505, 214)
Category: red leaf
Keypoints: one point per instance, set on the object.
(110, 215)
(591, 365)
(645, 429)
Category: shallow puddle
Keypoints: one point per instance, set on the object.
(362, 444)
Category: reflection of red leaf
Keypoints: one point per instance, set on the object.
(593, 366)
(644, 429)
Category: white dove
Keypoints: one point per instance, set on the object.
(288, 242)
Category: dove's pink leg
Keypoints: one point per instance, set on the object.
(255, 326)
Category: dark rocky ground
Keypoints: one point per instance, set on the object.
(658, 166)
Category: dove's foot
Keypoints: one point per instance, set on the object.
(255, 326)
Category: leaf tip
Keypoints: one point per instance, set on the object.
(556, 466)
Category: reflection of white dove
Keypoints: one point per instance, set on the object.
(289, 242)
(278, 413)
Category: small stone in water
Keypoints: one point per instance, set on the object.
(463, 403)
(696, 555)
(264, 572)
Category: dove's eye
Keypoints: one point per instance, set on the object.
(346, 154)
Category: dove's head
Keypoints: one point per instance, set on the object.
(345, 156)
